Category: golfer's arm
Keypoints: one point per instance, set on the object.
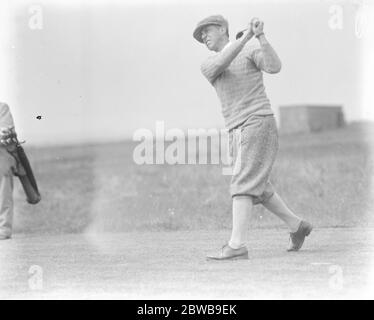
(268, 59)
(215, 65)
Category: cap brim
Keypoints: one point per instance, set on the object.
(197, 32)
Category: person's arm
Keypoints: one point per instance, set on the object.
(8, 138)
(265, 58)
(215, 65)
(6, 125)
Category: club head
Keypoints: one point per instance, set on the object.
(240, 34)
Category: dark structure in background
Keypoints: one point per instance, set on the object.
(310, 118)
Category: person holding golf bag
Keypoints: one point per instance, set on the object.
(7, 162)
(235, 71)
(13, 161)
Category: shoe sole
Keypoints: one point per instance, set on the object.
(241, 257)
(307, 233)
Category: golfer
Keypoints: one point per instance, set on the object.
(235, 71)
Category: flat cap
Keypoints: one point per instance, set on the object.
(215, 20)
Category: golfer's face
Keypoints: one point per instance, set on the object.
(211, 36)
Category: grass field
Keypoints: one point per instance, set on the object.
(108, 228)
(324, 177)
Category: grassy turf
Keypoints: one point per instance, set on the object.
(324, 177)
(334, 263)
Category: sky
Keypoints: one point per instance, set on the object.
(96, 70)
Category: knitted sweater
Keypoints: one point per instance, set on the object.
(238, 80)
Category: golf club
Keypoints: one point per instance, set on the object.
(240, 33)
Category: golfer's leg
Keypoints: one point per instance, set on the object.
(241, 211)
(6, 205)
(276, 205)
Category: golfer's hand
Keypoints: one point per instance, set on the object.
(257, 26)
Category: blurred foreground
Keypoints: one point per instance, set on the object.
(334, 263)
